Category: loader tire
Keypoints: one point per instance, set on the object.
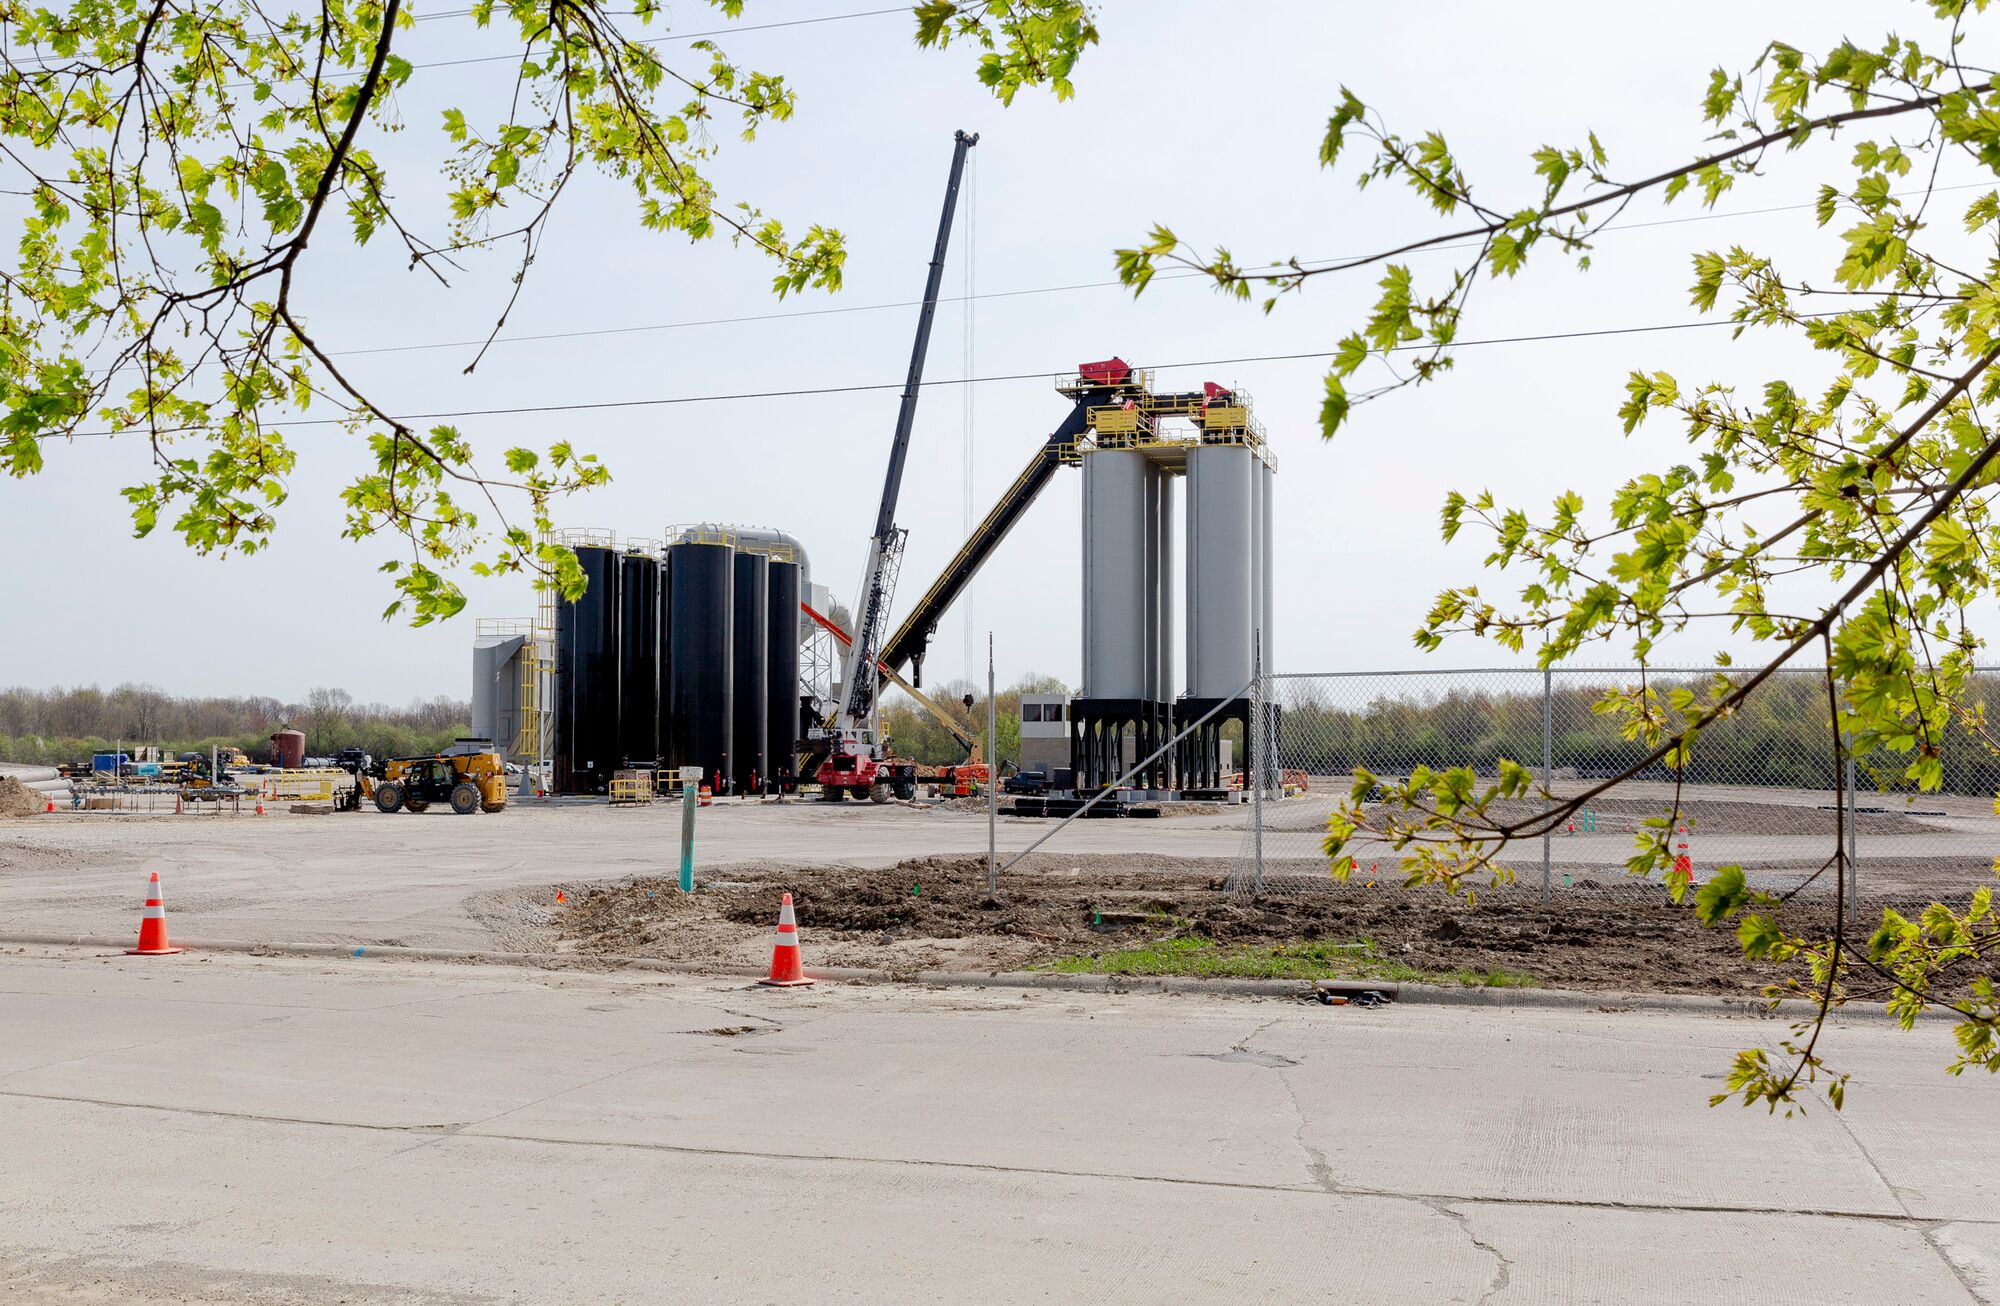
(388, 797)
(465, 798)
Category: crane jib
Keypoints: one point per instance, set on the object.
(885, 547)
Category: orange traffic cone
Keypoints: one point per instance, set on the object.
(153, 924)
(786, 969)
(52, 805)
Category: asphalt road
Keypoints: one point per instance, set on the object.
(237, 1130)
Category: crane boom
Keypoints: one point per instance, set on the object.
(859, 674)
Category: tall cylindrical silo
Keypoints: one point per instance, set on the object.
(1151, 572)
(750, 673)
(1164, 589)
(587, 690)
(1116, 651)
(1268, 478)
(663, 710)
(639, 659)
(701, 587)
(1221, 579)
(782, 673)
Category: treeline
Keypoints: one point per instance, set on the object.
(51, 726)
(916, 734)
(1779, 737)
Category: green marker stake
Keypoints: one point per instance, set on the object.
(688, 802)
(916, 891)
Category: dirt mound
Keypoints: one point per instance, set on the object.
(936, 912)
(16, 799)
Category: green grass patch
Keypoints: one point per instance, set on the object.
(1204, 958)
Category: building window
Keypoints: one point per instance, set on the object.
(1031, 711)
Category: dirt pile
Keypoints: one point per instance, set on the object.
(935, 912)
(16, 799)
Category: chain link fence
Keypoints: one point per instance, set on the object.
(1761, 789)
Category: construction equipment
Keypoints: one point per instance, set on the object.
(856, 761)
(470, 782)
(973, 770)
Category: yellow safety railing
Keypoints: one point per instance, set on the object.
(312, 784)
(636, 789)
(715, 533)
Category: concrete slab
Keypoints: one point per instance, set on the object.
(453, 1134)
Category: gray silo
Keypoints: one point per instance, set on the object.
(1222, 584)
(1127, 567)
(1119, 524)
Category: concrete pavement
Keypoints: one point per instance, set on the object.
(411, 879)
(252, 1130)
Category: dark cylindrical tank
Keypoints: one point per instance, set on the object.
(749, 659)
(639, 659)
(288, 749)
(781, 674)
(669, 757)
(586, 689)
(701, 591)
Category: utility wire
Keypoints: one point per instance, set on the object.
(516, 56)
(1189, 274)
(1043, 375)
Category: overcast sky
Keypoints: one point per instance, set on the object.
(1202, 115)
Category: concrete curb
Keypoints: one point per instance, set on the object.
(1420, 994)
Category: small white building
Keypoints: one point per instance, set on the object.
(1044, 732)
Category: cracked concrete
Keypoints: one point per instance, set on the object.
(248, 1130)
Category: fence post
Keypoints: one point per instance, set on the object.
(992, 779)
(1548, 762)
(1853, 844)
(1254, 737)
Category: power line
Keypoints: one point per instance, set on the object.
(513, 58)
(682, 36)
(1190, 274)
(868, 387)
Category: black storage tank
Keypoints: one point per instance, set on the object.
(701, 588)
(586, 688)
(749, 659)
(782, 675)
(670, 759)
(639, 659)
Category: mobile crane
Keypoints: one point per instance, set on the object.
(855, 758)
(898, 776)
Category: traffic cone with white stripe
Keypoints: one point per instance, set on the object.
(787, 971)
(153, 924)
